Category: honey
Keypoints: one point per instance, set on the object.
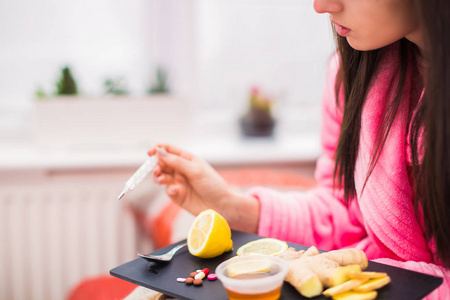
(269, 295)
(252, 277)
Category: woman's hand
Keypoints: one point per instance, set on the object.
(190, 182)
(194, 185)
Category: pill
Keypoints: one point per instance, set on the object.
(179, 279)
(200, 275)
(189, 280)
(198, 271)
(193, 274)
(198, 282)
(206, 271)
(212, 276)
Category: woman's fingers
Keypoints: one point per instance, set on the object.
(172, 190)
(177, 190)
(161, 179)
(157, 171)
(161, 169)
(176, 169)
(169, 158)
(172, 163)
(171, 149)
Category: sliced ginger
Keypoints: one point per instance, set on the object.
(366, 275)
(342, 274)
(343, 287)
(349, 290)
(351, 295)
(373, 284)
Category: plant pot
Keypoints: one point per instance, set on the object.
(257, 125)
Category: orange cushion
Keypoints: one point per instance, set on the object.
(105, 287)
(266, 176)
(160, 227)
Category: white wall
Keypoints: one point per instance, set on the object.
(280, 45)
(215, 48)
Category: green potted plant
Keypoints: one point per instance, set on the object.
(66, 84)
(160, 85)
(40, 93)
(116, 86)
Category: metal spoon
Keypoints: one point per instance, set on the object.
(162, 257)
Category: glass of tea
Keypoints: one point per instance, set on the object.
(252, 276)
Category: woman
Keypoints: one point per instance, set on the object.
(384, 175)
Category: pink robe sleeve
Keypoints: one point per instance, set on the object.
(317, 217)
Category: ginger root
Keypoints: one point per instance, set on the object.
(311, 271)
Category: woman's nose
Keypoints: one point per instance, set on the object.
(328, 6)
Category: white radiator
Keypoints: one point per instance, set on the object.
(58, 230)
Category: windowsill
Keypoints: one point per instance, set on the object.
(219, 142)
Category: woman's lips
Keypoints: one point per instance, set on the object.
(341, 30)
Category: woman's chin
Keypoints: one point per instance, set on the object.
(364, 46)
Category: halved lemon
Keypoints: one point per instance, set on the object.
(209, 235)
(267, 246)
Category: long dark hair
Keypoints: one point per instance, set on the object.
(431, 182)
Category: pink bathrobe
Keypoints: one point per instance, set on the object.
(381, 220)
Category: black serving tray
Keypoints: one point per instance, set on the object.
(162, 277)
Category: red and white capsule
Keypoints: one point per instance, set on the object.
(202, 274)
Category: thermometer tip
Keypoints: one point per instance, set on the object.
(120, 196)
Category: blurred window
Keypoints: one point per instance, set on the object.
(280, 45)
(215, 50)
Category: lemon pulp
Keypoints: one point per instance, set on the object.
(209, 235)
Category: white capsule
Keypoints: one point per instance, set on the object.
(200, 275)
(198, 271)
(181, 279)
